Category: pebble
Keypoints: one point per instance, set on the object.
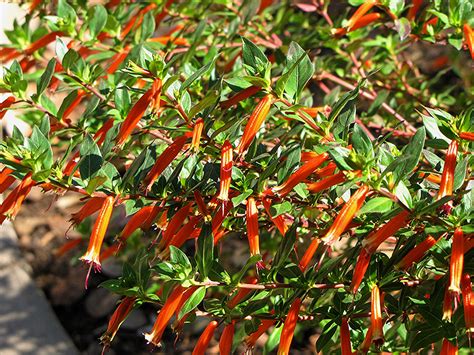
(101, 302)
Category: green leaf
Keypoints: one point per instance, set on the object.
(45, 78)
(41, 149)
(193, 301)
(343, 113)
(205, 251)
(237, 200)
(91, 158)
(148, 27)
(254, 59)
(66, 103)
(97, 20)
(280, 208)
(196, 75)
(286, 246)
(328, 331)
(177, 256)
(362, 142)
(376, 205)
(250, 262)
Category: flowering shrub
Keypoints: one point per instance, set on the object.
(332, 140)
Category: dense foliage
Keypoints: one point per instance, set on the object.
(334, 137)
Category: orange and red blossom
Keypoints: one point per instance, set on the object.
(361, 11)
(416, 253)
(365, 346)
(255, 121)
(447, 178)
(456, 263)
(308, 255)
(42, 42)
(376, 320)
(138, 110)
(289, 328)
(251, 340)
(164, 160)
(175, 223)
(242, 95)
(226, 171)
(360, 23)
(227, 337)
(6, 180)
(165, 314)
(118, 317)
(241, 293)
(416, 4)
(197, 133)
(346, 215)
(346, 347)
(361, 266)
(468, 136)
(448, 348)
(92, 255)
(252, 226)
(377, 237)
(142, 219)
(469, 38)
(447, 305)
(326, 183)
(12, 203)
(91, 206)
(10, 100)
(278, 221)
(299, 175)
(468, 302)
(205, 338)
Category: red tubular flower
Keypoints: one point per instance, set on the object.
(431, 22)
(264, 4)
(10, 100)
(365, 346)
(226, 171)
(179, 41)
(240, 96)
(251, 340)
(416, 4)
(202, 207)
(80, 95)
(102, 131)
(241, 293)
(327, 171)
(360, 23)
(220, 214)
(164, 160)
(118, 317)
(205, 338)
(112, 3)
(468, 303)
(448, 348)
(326, 183)
(252, 226)
(185, 232)
(447, 178)
(447, 305)
(469, 38)
(227, 337)
(468, 136)
(92, 255)
(34, 4)
(117, 60)
(174, 224)
(91, 206)
(143, 218)
(136, 20)
(313, 112)
(278, 221)
(179, 322)
(307, 156)
(457, 261)
(169, 308)
(346, 347)
(71, 244)
(376, 320)
(361, 11)
(346, 214)
(43, 42)
(289, 328)
(255, 121)
(137, 111)
(417, 253)
(308, 255)
(301, 174)
(12, 204)
(6, 180)
(163, 13)
(431, 178)
(361, 266)
(377, 237)
(197, 132)
(109, 251)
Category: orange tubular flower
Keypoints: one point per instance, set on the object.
(457, 261)
(34, 4)
(164, 160)
(205, 338)
(12, 204)
(278, 221)
(185, 232)
(447, 305)
(417, 253)
(137, 111)
(227, 337)
(346, 347)
(92, 255)
(169, 308)
(326, 183)
(163, 13)
(241, 293)
(377, 237)
(361, 11)
(226, 171)
(468, 136)
(117, 60)
(201, 205)
(360, 268)
(143, 218)
(10, 100)
(220, 215)
(346, 214)
(118, 317)
(301, 174)
(308, 255)
(360, 23)
(197, 132)
(289, 328)
(255, 121)
(448, 348)
(43, 42)
(71, 244)
(431, 178)
(136, 20)
(93, 205)
(179, 41)
(376, 315)
(80, 95)
(468, 303)
(251, 340)
(109, 251)
(414, 9)
(252, 226)
(365, 346)
(240, 96)
(469, 38)
(6, 180)
(174, 224)
(447, 179)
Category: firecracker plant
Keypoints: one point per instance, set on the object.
(331, 141)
